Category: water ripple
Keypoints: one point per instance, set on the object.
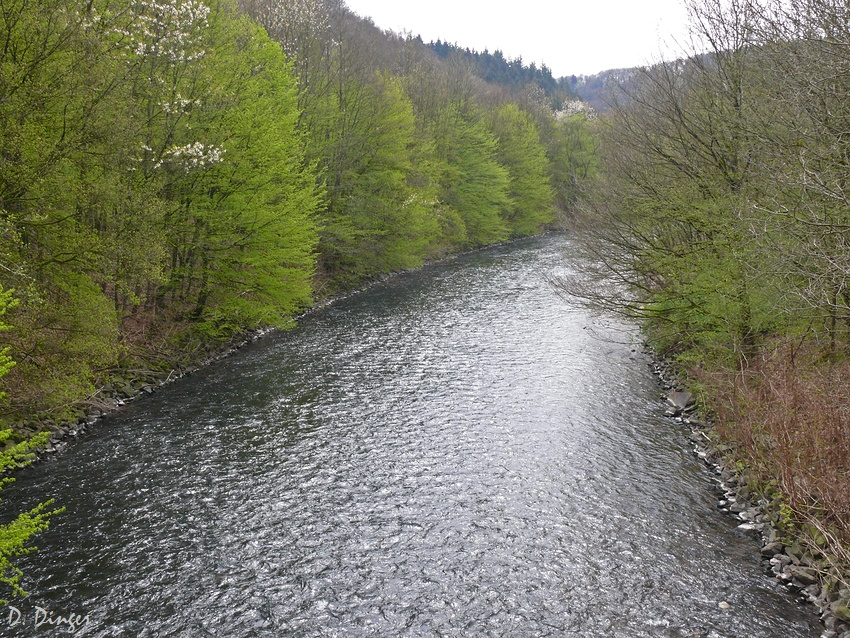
(455, 452)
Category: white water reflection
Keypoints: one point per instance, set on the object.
(452, 453)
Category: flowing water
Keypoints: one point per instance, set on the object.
(454, 452)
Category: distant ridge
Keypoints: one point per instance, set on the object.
(514, 74)
(593, 89)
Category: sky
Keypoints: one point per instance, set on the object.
(572, 37)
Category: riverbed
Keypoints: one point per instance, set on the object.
(454, 452)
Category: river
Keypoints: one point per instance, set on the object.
(453, 452)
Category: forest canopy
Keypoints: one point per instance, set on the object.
(175, 173)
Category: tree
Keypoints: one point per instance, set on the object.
(805, 46)
(521, 152)
(474, 184)
(376, 222)
(471, 186)
(153, 184)
(242, 198)
(573, 152)
(673, 219)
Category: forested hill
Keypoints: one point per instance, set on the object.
(514, 74)
(177, 172)
(597, 89)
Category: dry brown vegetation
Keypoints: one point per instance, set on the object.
(788, 414)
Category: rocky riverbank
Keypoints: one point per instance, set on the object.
(123, 388)
(126, 385)
(809, 574)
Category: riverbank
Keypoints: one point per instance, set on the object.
(126, 385)
(800, 551)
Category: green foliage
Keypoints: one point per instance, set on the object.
(521, 152)
(673, 216)
(153, 182)
(248, 227)
(376, 221)
(15, 535)
(475, 185)
(53, 107)
(573, 159)
(6, 362)
(692, 265)
(70, 333)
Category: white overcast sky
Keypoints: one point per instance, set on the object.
(569, 36)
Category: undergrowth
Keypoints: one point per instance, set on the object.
(788, 415)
